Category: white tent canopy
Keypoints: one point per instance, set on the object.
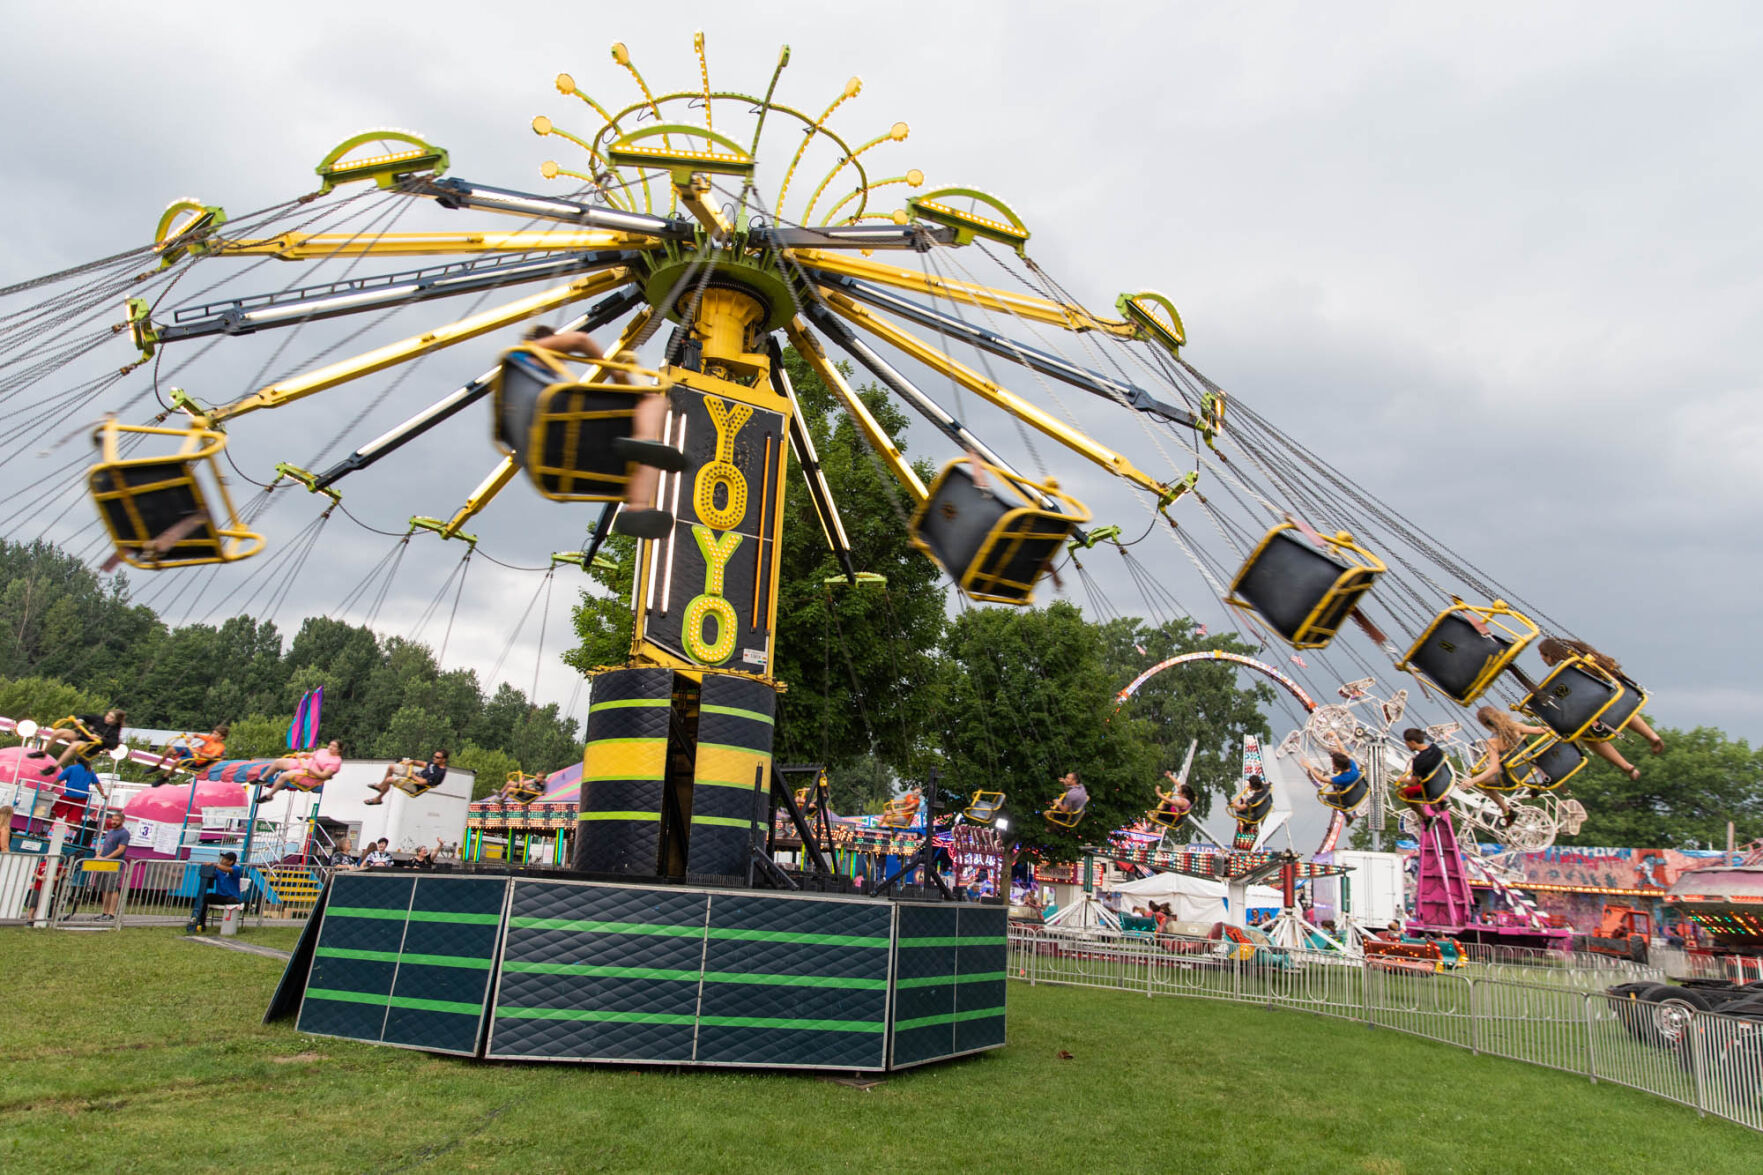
(1194, 899)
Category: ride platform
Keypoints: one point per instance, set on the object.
(549, 967)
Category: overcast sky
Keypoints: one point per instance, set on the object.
(1499, 265)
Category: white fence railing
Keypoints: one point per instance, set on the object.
(163, 892)
(1568, 1021)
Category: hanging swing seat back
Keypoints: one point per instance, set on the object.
(561, 428)
(1165, 818)
(170, 509)
(1543, 764)
(1348, 800)
(1577, 693)
(1632, 702)
(1435, 787)
(1466, 647)
(994, 540)
(1304, 587)
(408, 781)
(983, 807)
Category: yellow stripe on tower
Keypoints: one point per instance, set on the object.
(732, 766)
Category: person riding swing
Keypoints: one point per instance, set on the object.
(640, 517)
(409, 779)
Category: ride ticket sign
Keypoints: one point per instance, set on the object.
(707, 592)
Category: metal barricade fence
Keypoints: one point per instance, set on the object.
(1642, 1045)
(81, 890)
(1539, 1024)
(1671, 1050)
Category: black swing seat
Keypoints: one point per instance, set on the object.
(1545, 763)
(1258, 811)
(1303, 587)
(562, 429)
(1465, 648)
(995, 541)
(1577, 693)
(168, 510)
(1632, 702)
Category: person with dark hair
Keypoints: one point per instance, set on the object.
(423, 780)
(88, 733)
(192, 754)
(305, 770)
(1338, 788)
(223, 889)
(640, 517)
(1075, 796)
(1174, 805)
(111, 847)
(1429, 773)
(1554, 650)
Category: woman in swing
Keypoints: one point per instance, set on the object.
(1554, 650)
(1174, 805)
(1505, 736)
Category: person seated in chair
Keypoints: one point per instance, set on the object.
(1076, 795)
(223, 889)
(307, 771)
(643, 448)
(1554, 650)
(209, 748)
(524, 789)
(1505, 736)
(1174, 805)
(1428, 761)
(1249, 808)
(427, 779)
(89, 733)
(1337, 788)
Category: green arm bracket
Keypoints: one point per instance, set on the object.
(309, 480)
(579, 559)
(1155, 316)
(385, 170)
(439, 526)
(1085, 539)
(185, 230)
(681, 165)
(1007, 230)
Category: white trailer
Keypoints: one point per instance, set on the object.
(405, 822)
(1370, 892)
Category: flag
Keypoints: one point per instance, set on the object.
(1200, 631)
(1299, 661)
(1141, 649)
(303, 731)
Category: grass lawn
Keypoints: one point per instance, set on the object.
(135, 1051)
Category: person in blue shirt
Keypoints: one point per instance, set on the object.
(78, 781)
(224, 889)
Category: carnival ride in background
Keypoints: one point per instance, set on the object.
(673, 222)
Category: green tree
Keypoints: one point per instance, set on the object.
(1027, 696)
(861, 660)
(1684, 796)
(414, 733)
(46, 700)
(490, 764)
(259, 736)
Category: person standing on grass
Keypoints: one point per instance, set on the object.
(111, 847)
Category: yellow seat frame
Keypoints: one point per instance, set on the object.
(1588, 666)
(559, 482)
(408, 782)
(1629, 688)
(1361, 573)
(108, 481)
(1527, 755)
(1498, 615)
(524, 780)
(1010, 531)
(1065, 819)
(898, 813)
(990, 800)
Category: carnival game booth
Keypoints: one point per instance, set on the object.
(539, 831)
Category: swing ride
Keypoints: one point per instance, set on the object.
(698, 212)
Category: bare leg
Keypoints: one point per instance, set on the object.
(650, 418)
(1640, 727)
(1609, 753)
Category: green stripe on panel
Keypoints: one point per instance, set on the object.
(358, 997)
(693, 975)
(633, 703)
(412, 915)
(618, 816)
(738, 713)
(395, 957)
(591, 926)
(723, 821)
(684, 1019)
(946, 1018)
(938, 980)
